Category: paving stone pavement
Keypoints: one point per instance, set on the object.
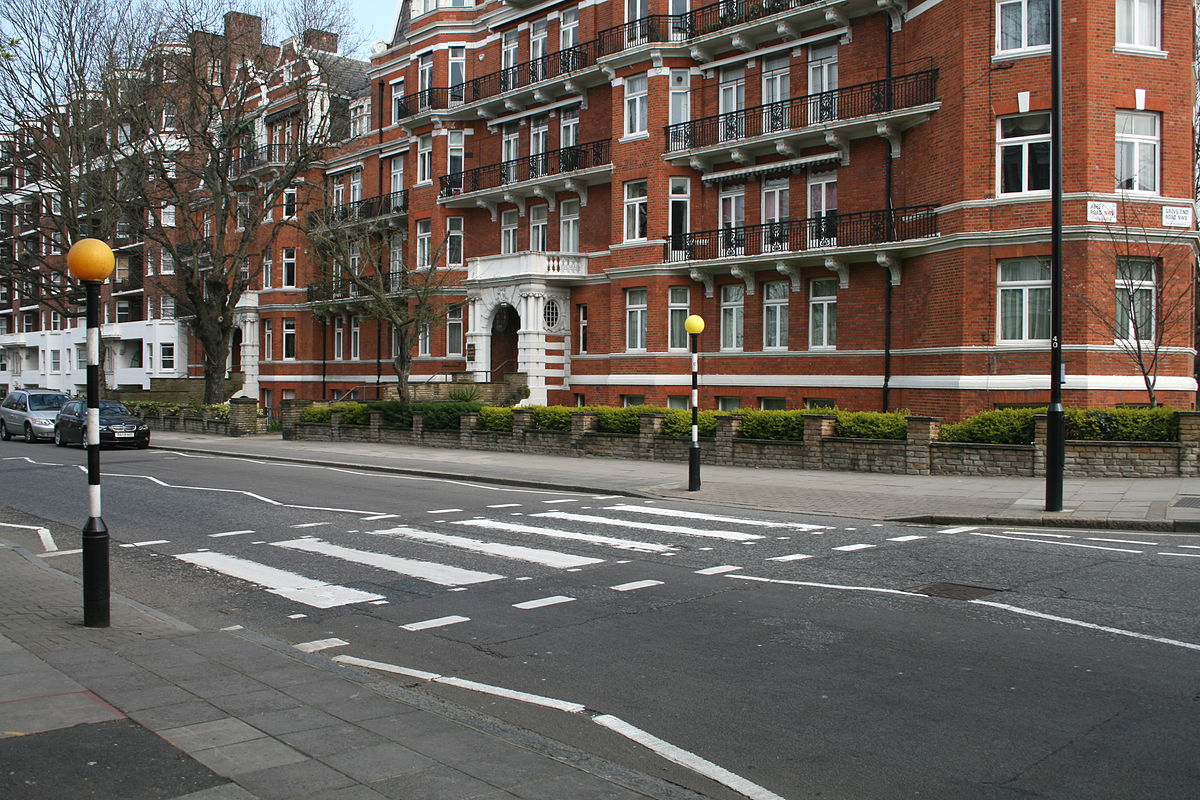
(153, 708)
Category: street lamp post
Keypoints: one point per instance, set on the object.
(694, 325)
(91, 261)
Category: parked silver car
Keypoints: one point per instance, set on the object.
(31, 413)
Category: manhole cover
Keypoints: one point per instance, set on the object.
(1189, 501)
(954, 591)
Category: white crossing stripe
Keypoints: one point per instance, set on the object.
(850, 547)
(435, 623)
(717, 570)
(319, 645)
(549, 558)
(1185, 555)
(792, 557)
(443, 510)
(505, 505)
(671, 512)
(629, 587)
(309, 591)
(608, 541)
(441, 574)
(228, 533)
(378, 516)
(564, 500)
(544, 601)
(904, 538)
(311, 524)
(733, 536)
(956, 530)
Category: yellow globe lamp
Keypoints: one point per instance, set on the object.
(694, 324)
(90, 260)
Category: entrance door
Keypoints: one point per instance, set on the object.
(505, 324)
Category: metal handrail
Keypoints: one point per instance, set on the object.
(876, 97)
(539, 165)
(551, 65)
(791, 235)
(369, 208)
(681, 27)
(265, 154)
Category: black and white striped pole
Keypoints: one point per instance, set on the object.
(91, 262)
(694, 325)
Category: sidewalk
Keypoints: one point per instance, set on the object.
(152, 708)
(1168, 504)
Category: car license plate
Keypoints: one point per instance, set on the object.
(124, 434)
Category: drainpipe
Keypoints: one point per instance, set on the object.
(324, 337)
(887, 188)
(380, 138)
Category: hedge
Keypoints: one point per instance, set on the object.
(494, 418)
(871, 424)
(1003, 426)
(1015, 425)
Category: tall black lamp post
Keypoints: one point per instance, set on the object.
(694, 325)
(1055, 418)
(91, 261)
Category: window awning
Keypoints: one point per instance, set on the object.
(773, 166)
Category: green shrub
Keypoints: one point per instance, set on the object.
(352, 414)
(445, 416)
(316, 414)
(625, 420)
(495, 418)
(392, 413)
(275, 426)
(776, 426)
(1003, 426)
(679, 423)
(1123, 424)
(871, 425)
(464, 394)
(552, 418)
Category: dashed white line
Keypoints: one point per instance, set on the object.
(1121, 541)
(378, 516)
(721, 570)
(956, 530)
(1060, 544)
(1039, 534)
(1082, 624)
(228, 533)
(296, 616)
(629, 587)
(904, 538)
(790, 557)
(565, 500)
(310, 524)
(505, 505)
(1182, 555)
(1190, 546)
(443, 511)
(53, 553)
(544, 601)
(440, 622)
(146, 543)
(319, 645)
(847, 548)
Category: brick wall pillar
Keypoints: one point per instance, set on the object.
(1040, 427)
(467, 425)
(522, 422)
(418, 428)
(582, 423)
(289, 416)
(376, 425)
(243, 416)
(335, 425)
(1189, 444)
(728, 429)
(921, 432)
(816, 428)
(649, 429)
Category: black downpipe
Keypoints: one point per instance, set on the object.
(887, 292)
(324, 359)
(380, 129)
(378, 359)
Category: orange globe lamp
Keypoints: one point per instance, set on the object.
(90, 260)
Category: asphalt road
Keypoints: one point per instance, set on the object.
(803, 654)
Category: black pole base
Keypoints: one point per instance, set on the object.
(95, 574)
(1056, 445)
(693, 469)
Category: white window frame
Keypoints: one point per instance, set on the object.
(539, 228)
(268, 272)
(1138, 146)
(166, 307)
(454, 241)
(678, 309)
(339, 339)
(568, 226)
(1023, 9)
(733, 316)
(425, 159)
(636, 303)
(775, 296)
(166, 356)
(289, 268)
(822, 314)
(424, 243)
(1139, 25)
(1022, 144)
(289, 338)
(508, 231)
(637, 105)
(1140, 281)
(583, 327)
(454, 331)
(636, 211)
(1022, 289)
(355, 339)
(268, 339)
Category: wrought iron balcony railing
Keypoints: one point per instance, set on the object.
(344, 289)
(552, 65)
(370, 208)
(797, 235)
(432, 99)
(265, 156)
(682, 27)
(877, 97)
(532, 167)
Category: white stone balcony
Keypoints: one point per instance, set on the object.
(528, 264)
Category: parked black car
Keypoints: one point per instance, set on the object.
(117, 425)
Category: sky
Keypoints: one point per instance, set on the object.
(374, 17)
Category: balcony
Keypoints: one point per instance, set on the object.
(521, 177)
(531, 76)
(394, 203)
(879, 108)
(268, 156)
(332, 289)
(545, 265)
(776, 239)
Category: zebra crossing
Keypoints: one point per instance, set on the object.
(513, 541)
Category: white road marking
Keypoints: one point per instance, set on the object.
(309, 591)
(1190, 546)
(721, 570)
(686, 759)
(234, 628)
(791, 557)
(1040, 534)
(814, 585)
(849, 548)
(435, 623)
(310, 524)
(670, 512)
(374, 517)
(444, 511)
(904, 538)
(733, 536)
(549, 558)
(1090, 625)
(43, 533)
(53, 553)
(146, 543)
(296, 616)
(1182, 555)
(441, 574)
(229, 533)
(1121, 541)
(608, 541)
(566, 500)
(505, 505)
(956, 530)
(544, 601)
(319, 645)
(1061, 544)
(629, 587)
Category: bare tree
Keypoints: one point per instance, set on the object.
(1149, 306)
(361, 271)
